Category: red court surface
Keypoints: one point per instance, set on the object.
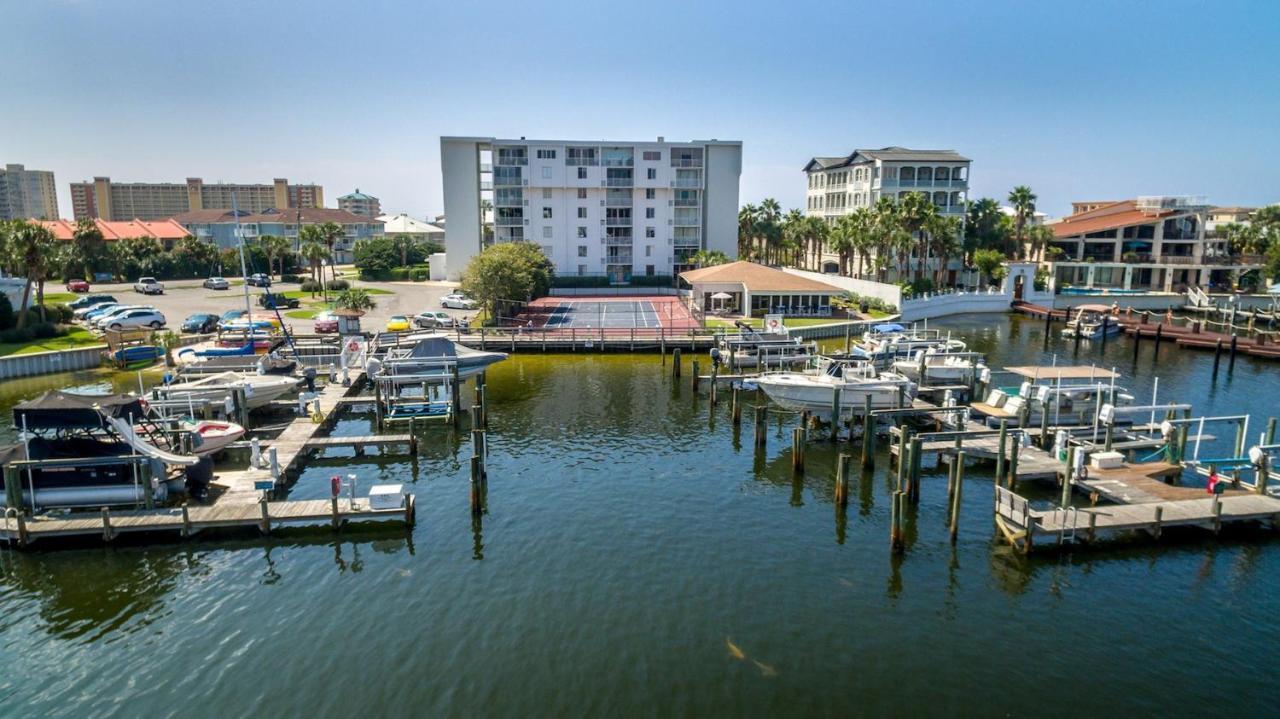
(609, 312)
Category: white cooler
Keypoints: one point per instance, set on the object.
(386, 496)
(1106, 460)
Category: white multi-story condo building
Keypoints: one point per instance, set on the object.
(1153, 244)
(27, 194)
(620, 209)
(840, 185)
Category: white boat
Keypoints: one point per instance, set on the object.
(886, 341)
(939, 367)
(1067, 404)
(759, 349)
(432, 353)
(260, 389)
(856, 380)
(214, 435)
(1089, 322)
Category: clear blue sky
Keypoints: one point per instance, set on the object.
(1079, 100)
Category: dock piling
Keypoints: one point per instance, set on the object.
(1067, 477)
(761, 426)
(835, 413)
(107, 533)
(868, 435)
(956, 493)
(1231, 359)
(842, 480)
(797, 450)
(675, 363)
(1000, 450)
(695, 374)
(735, 407)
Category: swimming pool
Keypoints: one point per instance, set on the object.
(1101, 291)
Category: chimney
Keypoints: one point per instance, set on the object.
(661, 138)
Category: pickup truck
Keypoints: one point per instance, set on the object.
(148, 286)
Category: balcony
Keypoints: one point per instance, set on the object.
(617, 221)
(686, 162)
(688, 183)
(617, 241)
(688, 203)
(618, 201)
(619, 182)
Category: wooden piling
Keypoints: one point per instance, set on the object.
(848, 339)
(107, 533)
(1014, 448)
(1159, 332)
(715, 376)
(868, 434)
(1231, 359)
(1217, 355)
(455, 393)
(337, 517)
(735, 407)
(1155, 529)
(835, 413)
(1137, 337)
(265, 527)
(896, 507)
(1001, 444)
(842, 480)
(696, 370)
(675, 363)
(917, 457)
(797, 450)
(1068, 476)
(956, 494)
(761, 426)
(186, 521)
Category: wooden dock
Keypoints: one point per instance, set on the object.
(189, 520)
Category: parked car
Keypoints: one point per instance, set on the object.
(148, 286)
(216, 283)
(77, 285)
(200, 322)
(103, 319)
(89, 314)
(398, 323)
(89, 301)
(325, 323)
(132, 319)
(458, 301)
(431, 318)
(231, 316)
(259, 279)
(278, 299)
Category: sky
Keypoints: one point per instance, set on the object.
(1079, 100)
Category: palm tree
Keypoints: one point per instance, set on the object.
(841, 239)
(708, 258)
(1039, 237)
(1024, 206)
(315, 253)
(770, 228)
(275, 246)
(32, 249)
(944, 241)
(330, 234)
(403, 243)
(355, 298)
(89, 245)
(915, 214)
(748, 219)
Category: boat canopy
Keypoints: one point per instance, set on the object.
(888, 327)
(63, 410)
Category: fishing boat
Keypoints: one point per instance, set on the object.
(138, 353)
(856, 380)
(214, 436)
(259, 389)
(940, 367)
(888, 341)
(751, 348)
(1091, 321)
(432, 353)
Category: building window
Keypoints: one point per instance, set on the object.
(582, 173)
(546, 250)
(652, 173)
(582, 232)
(546, 213)
(648, 213)
(648, 250)
(582, 193)
(652, 155)
(546, 154)
(650, 193)
(648, 232)
(582, 212)
(648, 270)
(546, 173)
(546, 232)
(546, 193)
(582, 250)
(582, 270)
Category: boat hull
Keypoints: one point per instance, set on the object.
(802, 392)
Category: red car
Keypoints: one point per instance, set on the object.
(325, 323)
(77, 285)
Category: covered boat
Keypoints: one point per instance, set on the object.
(1092, 322)
(432, 354)
(856, 381)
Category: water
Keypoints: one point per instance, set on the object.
(630, 539)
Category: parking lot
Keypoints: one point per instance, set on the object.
(187, 297)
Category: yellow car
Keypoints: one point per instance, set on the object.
(398, 323)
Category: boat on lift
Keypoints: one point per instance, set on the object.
(753, 348)
(259, 389)
(1091, 321)
(940, 367)
(432, 353)
(888, 341)
(856, 379)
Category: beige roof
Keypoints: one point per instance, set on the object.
(756, 278)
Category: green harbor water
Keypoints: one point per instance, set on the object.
(639, 559)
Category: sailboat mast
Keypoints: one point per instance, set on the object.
(244, 272)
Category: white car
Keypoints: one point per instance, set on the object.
(148, 286)
(130, 319)
(102, 319)
(458, 302)
(216, 283)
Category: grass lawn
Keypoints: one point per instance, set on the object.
(77, 337)
(308, 313)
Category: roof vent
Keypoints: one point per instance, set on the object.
(661, 138)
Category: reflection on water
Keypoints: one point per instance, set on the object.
(633, 540)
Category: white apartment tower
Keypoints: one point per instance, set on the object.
(620, 209)
(27, 194)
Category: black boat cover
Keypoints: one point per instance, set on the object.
(64, 410)
(433, 348)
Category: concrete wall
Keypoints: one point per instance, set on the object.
(891, 294)
(957, 303)
(460, 168)
(723, 168)
(26, 365)
(437, 264)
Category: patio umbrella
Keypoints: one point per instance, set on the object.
(722, 296)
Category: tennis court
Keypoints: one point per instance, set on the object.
(638, 312)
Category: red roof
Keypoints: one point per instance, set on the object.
(159, 229)
(308, 216)
(1108, 217)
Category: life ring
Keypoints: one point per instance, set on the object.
(353, 346)
(335, 485)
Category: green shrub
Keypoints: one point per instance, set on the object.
(7, 318)
(15, 335)
(311, 286)
(419, 274)
(45, 330)
(291, 278)
(339, 285)
(59, 312)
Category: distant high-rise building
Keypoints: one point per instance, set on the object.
(119, 201)
(358, 203)
(27, 194)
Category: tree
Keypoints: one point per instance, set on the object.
(1024, 207)
(507, 271)
(89, 246)
(331, 233)
(748, 217)
(31, 248)
(355, 298)
(769, 228)
(709, 258)
(381, 254)
(403, 244)
(988, 262)
(944, 242)
(987, 227)
(275, 246)
(315, 253)
(1039, 238)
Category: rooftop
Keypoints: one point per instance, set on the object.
(892, 153)
(304, 215)
(1108, 217)
(755, 278)
(159, 229)
(357, 195)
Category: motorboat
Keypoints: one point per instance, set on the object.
(214, 435)
(1092, 322)
(887, 341)
(1069, 404)
(751, 348)
(259, 389)
(856, 380)
(432, 353)
(940, 367)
